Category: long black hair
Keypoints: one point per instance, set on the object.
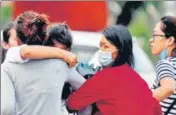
(119, 36)
(169, 28)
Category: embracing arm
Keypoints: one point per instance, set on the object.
(21, 54)
(42, 52)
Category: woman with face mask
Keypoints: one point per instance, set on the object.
(117, 89)
(163, 43)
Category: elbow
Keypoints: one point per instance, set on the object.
(171, 90)
(24, 54)
(73, 105)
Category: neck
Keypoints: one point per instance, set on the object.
(172, 51)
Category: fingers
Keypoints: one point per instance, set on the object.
(71, 59)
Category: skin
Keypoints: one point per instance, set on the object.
(12, 40)
(37, 52)
(158, 44)
(105, 45)
(41, 52)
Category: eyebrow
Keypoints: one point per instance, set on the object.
(101, 42)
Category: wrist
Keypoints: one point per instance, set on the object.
(63, 54)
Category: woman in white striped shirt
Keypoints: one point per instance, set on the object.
(163, 43)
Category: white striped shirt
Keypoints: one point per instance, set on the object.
(166, 68)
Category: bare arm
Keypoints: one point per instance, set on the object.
(44, 52)
(166, 89)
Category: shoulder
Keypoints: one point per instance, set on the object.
(6, 65)
(114, 70)
(120, 69)
(56, 61)
(7, 68)
(164, 68)
(161, 64)
(50, 62)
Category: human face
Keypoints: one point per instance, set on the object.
(158, 42)
(12, 40)
(106, 46)
(59, 45)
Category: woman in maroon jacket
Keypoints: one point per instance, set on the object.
(117, 89)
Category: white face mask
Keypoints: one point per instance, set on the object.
(105, 58)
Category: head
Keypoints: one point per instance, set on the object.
(117, 41)
(164, 36)
(31, 27)
(59, 36)
(9, 38)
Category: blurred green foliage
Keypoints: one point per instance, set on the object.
(6, 14)
(140, 29)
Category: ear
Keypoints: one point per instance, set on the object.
(171, 41)
(5, 45)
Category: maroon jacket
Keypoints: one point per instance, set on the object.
(116, 91)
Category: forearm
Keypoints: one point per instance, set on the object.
(162, 93)
(41, 52)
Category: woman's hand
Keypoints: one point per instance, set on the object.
(70, 58)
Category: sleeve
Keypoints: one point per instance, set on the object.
(7, 94)
(85, 69)
(75, 79)
(86, 111)
(93, 90)
(13, 55)
(164, 69)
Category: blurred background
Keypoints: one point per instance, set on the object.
(140, 17)
(87, 19)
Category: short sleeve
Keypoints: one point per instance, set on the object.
(13, 55)
(164, 69)
(75, 79)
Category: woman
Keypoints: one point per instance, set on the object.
(164, 44)
(7, 40)
(117, 89)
